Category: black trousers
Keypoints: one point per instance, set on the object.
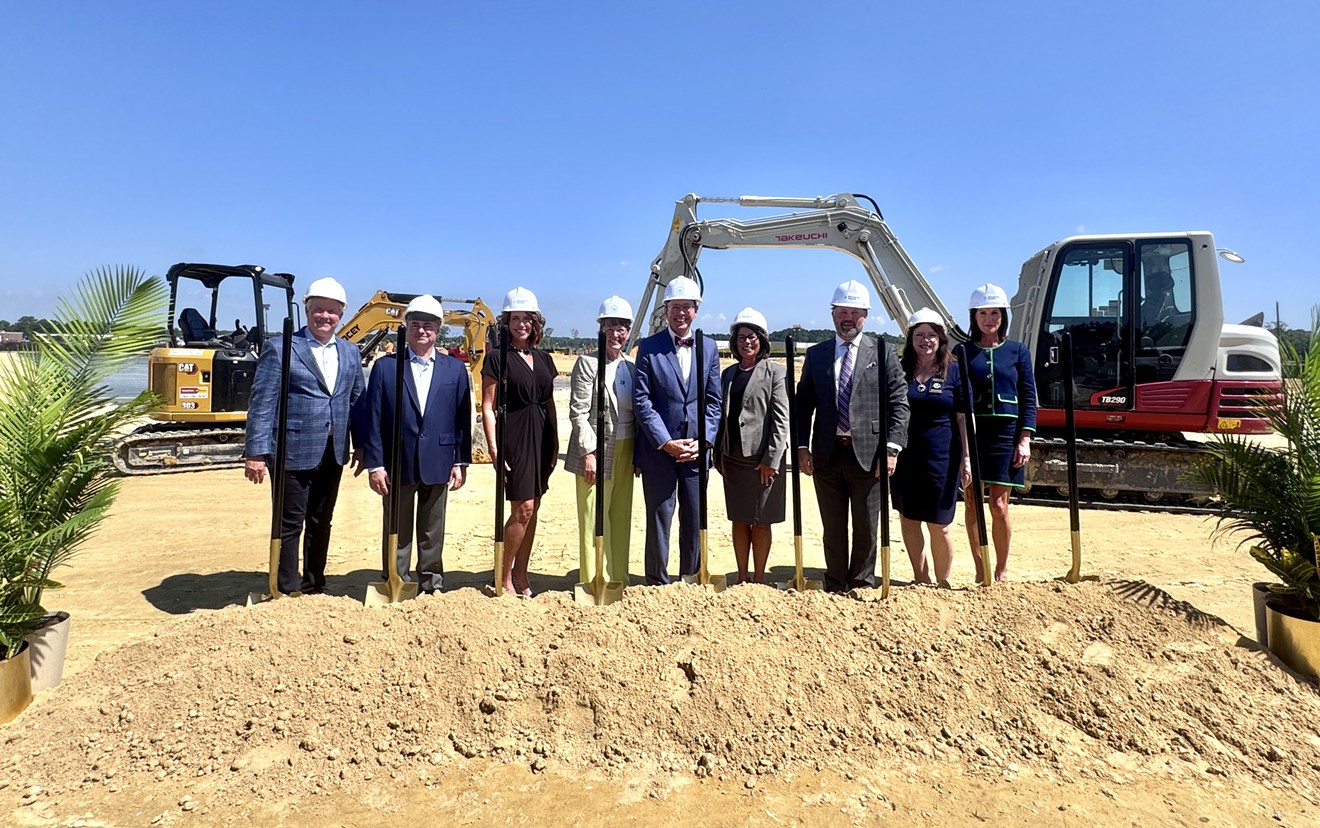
(844, 488)
(309, 503)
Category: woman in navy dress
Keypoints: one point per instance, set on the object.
(1004, 402)
(927, 478)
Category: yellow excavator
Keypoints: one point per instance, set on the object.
(204, 374)
(380, 316)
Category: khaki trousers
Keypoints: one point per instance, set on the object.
(618, 518)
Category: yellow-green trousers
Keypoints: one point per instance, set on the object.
(618, 517)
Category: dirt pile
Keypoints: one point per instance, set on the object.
(323, 695)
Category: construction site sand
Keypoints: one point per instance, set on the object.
(1122, 701)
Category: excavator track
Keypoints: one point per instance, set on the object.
(167, 448)
(1119, 475)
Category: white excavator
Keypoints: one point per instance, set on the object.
(1154, 362)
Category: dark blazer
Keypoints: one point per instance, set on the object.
(763, 419)
(664, 406)
(314, 413)
(817, 395)
(432, 442)
(1003, 384)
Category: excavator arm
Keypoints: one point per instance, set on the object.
(836, 222)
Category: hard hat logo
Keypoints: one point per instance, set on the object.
(752, 318)
(683, 288)
(520, 299)
(615, 307)
(326, 288)
(851, 294)
(988, 296)
(925, 316)
(424, 306)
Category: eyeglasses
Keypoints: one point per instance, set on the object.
(682, 307)
(925, 336)
(751, 337)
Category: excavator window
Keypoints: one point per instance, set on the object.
(1087, 299)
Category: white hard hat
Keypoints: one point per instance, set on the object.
(520, 299)
(426, 305)
(851, 294)
(684, 288)
(988, 296)
(615, 307)
(926, 316)
(326, 288)
(752, 318)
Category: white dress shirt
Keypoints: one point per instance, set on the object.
(327, 359)
(684, 354)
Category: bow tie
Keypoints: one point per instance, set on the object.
(683, 343)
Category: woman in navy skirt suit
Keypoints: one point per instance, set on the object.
(1004, 402)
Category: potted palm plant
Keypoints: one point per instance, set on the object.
(57, 422)
(1272, 495)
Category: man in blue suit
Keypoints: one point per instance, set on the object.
(325, 380)
(668, 444)
(436, 445)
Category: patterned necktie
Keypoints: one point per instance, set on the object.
(845, 387)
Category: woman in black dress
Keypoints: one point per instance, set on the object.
(531, 437)
(927, 478)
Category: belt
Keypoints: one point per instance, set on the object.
(843, 439)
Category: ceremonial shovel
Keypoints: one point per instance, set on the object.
(702, 576)
(277, 476)
(799, 582)
(597, 591)
(394, 589)
(977, 503)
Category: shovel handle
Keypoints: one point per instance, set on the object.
(281, 459)
(978, 503)
(1070, 426)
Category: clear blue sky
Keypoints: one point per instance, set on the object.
(463, 149)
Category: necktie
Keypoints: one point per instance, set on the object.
(845, 387)
(683, 343)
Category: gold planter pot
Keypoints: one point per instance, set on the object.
(15, 685)
(1296, 641)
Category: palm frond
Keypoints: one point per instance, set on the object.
(57, 425)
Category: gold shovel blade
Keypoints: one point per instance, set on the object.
(799, 582)
(394, 589)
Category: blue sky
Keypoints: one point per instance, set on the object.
(465, 149)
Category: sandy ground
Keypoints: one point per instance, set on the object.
(190, 544)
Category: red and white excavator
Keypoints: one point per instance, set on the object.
(1154, 362)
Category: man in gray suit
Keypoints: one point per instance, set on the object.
(840, 385)
(325, 379)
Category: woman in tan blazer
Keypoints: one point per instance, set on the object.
(612, 465)
(752, 439)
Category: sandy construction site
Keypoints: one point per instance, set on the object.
(1135, 698)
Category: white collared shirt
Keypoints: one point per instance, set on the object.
(684, 354)
(327, 359)
(421, 367)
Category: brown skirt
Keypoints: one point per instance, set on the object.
(746, 500)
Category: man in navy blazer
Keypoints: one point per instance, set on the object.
(325, 380)
(436, 442)
(668, 443)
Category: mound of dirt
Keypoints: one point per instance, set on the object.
(319, 694)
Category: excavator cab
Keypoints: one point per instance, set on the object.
(204, 375)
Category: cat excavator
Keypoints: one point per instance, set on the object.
(204, 374)
(1154, 362)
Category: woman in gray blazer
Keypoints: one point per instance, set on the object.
(752, 439)
(612, 465)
